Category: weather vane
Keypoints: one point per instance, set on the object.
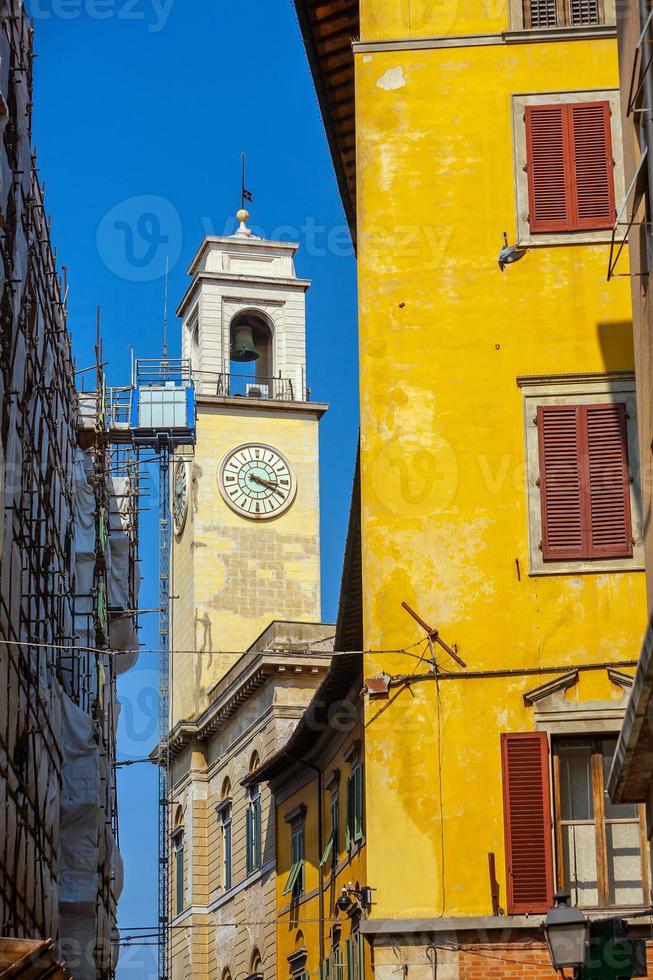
(245, 194)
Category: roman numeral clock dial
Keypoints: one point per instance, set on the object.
(257, 481)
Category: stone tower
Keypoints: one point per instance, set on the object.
(246, 546)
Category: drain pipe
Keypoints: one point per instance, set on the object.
(644, 15)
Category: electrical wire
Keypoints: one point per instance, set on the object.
(71, 648)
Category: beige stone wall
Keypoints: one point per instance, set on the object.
(232, 576)
(220, 931)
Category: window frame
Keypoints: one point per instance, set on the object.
(518, 20)
(178, 844)
(579, 390)
(253, 831)
(520, 102)
(296, 881)
(599, 821)
(226, 818)
(332, 847)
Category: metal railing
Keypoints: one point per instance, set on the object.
(245, 386)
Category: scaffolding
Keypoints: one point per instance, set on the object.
(157, 411)
(68, 577)
(39, 413)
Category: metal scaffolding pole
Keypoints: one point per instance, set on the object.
(164, 697)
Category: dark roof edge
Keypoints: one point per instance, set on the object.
(320, 89)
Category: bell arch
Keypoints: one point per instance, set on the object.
(251, 344)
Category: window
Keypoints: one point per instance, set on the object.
(332, 849)
(570, 165)
(583, 473)
(253, 830)
(599, 846)
(355, 956)
(527, 822)
(562, 13)
(227, 856)
(569, 172)
(601, 860)
(584, 481)
(355, 829)
(295, 884)
(178, 845)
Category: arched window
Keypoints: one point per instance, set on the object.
(255, 966)
(253, 823)
(178, 846)
(297, 959)
(251, 350)
(224, 815)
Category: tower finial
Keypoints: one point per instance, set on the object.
(243, 217)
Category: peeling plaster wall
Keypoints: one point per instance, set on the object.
(443, 337)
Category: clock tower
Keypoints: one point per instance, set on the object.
(246, 545)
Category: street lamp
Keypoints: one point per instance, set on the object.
(566, 931)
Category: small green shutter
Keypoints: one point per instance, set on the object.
(350, 814)
(349, 955)
(249, 843)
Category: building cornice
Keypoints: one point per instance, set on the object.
(539, 36)
(240, 279)
(255, 672)
(257, 405)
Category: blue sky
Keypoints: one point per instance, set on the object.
(141, 110)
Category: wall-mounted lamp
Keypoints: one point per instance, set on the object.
(352, 897)
(510, 253)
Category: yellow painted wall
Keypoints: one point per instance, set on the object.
(443, 337)
(351, 868)
(233, 576)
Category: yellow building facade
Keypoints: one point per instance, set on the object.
(490, 502)
(317, 782)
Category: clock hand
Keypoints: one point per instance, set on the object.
(265, 483)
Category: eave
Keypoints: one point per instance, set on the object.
(328, 28)
(233, 691)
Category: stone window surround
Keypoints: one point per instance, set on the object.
(571, 390)
(295, 816)
(352, 754)
(519, 103)
(554, 714)
(517, 16)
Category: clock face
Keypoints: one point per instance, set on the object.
(257, 481)
(180, 496)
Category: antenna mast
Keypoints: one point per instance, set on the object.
(245, 195)
(165, 314)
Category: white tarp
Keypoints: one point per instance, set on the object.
(84, 507)
(81, 824)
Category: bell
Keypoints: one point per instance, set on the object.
(242, 348)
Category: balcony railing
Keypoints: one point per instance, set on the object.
(245, 386)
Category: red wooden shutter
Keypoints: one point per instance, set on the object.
(560, 482)
(591, 151)
(570, 167)
(584, 12)
(527, 822)
(548, 165)
(540, 13)
(609, 481)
